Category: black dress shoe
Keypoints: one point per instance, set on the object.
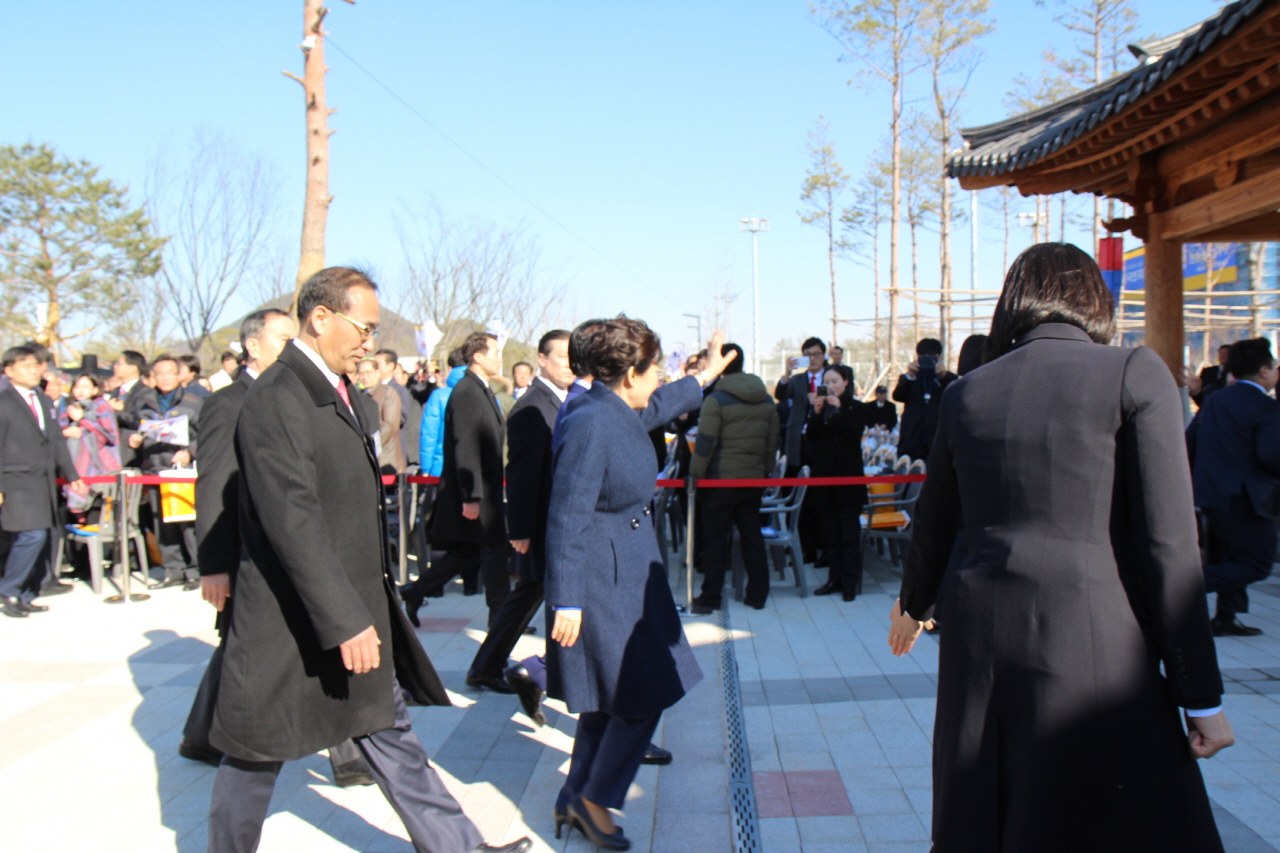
(828, 588)
(753, 605)
(190, 585)
(352, 775)
(196, 752)
(11, 606)
(531, 629)
(655, 754)
(702, 606)
(412, 601)
(489, 682)
(530, 693)
(32, 607)
(56, 589)
(1232, 628)
(847, 595)
(166, 583)
(521, 846)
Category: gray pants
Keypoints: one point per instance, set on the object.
(432, 817)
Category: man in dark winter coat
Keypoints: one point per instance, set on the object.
(920, 392)
(315, 610)
(737, 440)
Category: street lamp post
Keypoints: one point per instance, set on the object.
(696, 325)
(755, 226)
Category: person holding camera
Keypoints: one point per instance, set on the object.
(835, 427)
(920, 392)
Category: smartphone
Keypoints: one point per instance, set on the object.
(822, 390)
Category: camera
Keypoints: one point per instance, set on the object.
(928, 363)
(822, 391)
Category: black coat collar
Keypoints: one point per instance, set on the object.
(1055, 331)
(41, 400)
(317, 385)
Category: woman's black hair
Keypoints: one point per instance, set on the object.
(1052, 283)
(971, 354)
(615, 346)
(846, 373)
(97, 383)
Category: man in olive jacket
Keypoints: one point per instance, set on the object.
(737, 440)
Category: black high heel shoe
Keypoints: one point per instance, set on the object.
(560, 811)
(578, 817)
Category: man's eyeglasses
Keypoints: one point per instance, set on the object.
(366, 331)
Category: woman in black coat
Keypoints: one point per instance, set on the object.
(835, 427)
(1055, 728)
(619, 656)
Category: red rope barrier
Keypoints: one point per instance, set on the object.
(798, 481)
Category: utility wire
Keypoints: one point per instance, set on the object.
(429, 123)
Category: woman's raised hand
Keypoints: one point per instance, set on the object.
(716, 363)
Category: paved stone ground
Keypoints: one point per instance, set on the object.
(93, 698)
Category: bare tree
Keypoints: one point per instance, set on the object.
(860, 230)
(477, 272)
(315, 208)
(140, 322)
(218, 207)
(918, 183)
(948, 29)
(824, 184)
(881, 35)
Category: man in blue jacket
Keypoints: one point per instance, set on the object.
(431, 439)
(1236, 474)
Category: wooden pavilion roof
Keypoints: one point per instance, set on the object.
(1193, 131)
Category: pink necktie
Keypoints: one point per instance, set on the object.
(31, 401)
(342, 392)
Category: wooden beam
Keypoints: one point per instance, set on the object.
(1163, 285)
(984, 182)
(1260, 229)
(1249, 132)
(1217, 210)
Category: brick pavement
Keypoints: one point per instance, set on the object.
(93, 698)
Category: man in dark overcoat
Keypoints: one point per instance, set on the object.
(315, 611)
(467, 520)
(33, 454)
(127, 401)
(529, 428)
(1236, 474)
(920, 391)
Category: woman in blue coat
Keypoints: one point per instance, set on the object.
(619, 656)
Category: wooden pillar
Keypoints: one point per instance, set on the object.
(1163, 284)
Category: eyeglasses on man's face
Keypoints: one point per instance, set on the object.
(367, 332)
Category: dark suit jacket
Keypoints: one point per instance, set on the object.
(1082, 577)
(529, 429)
(797, 391)
(1237, 452)
(919, 416)
(632, 658)
(1212, 378)
(218, 483)
(31, 460)
(128, 419)
(316, 573)
(882, 416)
(836, 434)
(473, 433)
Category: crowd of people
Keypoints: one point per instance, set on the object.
(1038, 525)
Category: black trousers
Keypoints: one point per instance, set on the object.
(457, 560)
(506, 628)
(26, 564)
(345, 756)
(432, 817)
(722, 510)
(1244, 549)
(842, 544)
(607, 752)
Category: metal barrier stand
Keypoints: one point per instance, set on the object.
(122, 547)
(406, 518)
(690, 488)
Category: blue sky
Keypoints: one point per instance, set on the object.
(647, 129)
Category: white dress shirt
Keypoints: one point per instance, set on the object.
(329, 375)
(560, 395)
(33, 401)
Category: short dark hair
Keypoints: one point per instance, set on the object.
(135, 358)
(929, 346)
(455, 358)
(1248, 357)
(230, 354)
(192, 363)
(476, 343)
(252, 326)
(41, 351)
(813, 342)
(164, 356)
(1052, 283)
(545, 342)
(971, 354)
(579, 340)
(522, 364)
(835, 347)
(1221, 347)
(734, 366)
(22, 352)
(390, 355)
(331, 288)
(619, 345)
